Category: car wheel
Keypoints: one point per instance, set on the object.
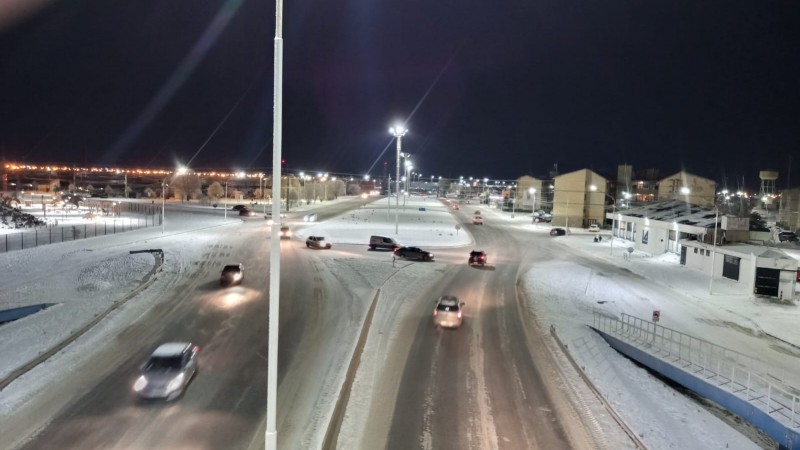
(372, 247)
(308, 245)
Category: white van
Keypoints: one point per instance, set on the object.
(382, 242)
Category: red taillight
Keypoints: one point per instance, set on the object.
(394, 249)
(435, 313)
(459, 314)
(481, 258)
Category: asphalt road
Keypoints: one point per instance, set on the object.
(487, 385)
(224, 406)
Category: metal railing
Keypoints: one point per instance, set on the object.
(736, 372)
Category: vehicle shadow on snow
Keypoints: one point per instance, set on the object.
(480, 267)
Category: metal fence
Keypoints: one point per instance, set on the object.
(740, 374)
(54, 234)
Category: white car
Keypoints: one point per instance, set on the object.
(168, 371)
(594, 228)
(312, 217)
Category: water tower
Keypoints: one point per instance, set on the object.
(768, 178)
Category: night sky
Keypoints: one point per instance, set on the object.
(486, 89)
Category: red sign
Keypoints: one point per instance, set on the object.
(656, 316)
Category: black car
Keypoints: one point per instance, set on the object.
(231, 274)
(413, 253)
(247, 212)
(238, 207)
(558, 232)
(477, 257)
(787, 236)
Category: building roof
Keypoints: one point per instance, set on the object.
(673, 211)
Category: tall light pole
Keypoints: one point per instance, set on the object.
(714, 252)
(613, 213)
(514, 204)
(271, 432)
(163, 201)
(532, 191)
(397, 131)
(225, 203)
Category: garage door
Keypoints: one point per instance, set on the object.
(730, 268)
(767, 281)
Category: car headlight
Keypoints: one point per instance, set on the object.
(140, 383)
(176, 383)
(237, 276)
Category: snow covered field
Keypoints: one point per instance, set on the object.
(94, 276)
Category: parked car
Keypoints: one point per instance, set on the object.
(168, 371)
(286, 232)
(231, 274)
(477, 257)
(413, 253)
(448, 312)
(594, 228)
(382, 242)
(788, 236)
(558, 232)
(317, 242)
(477, 220)
(312, 217)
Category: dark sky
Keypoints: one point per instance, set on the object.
(487, 89)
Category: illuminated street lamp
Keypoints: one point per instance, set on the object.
(613, 213)
(532, 191)
(398, 132)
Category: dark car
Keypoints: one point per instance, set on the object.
(787, 236)
(231, 274)
(477, 257)
(247, 212)
(317, 242)
(238, 207)
(413, 253)
(558, 232)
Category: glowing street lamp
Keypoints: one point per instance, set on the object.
(398, 132)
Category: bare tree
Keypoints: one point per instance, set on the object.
(187, 186)
(215, 190)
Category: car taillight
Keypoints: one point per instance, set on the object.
(435, 313)
(394, 249)
(481, 258)
(459, 314)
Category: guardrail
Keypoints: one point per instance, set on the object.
(24, 238)
(736, 373)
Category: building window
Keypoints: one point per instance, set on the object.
(708, 252)
(695, 250)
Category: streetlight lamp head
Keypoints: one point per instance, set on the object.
(593, 188)
(685, 190)
(398, 130)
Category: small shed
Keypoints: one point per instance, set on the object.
(764, 270)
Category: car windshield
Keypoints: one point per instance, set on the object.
(448, 306)
(163, 363)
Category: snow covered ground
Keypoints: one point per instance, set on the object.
(94, 276)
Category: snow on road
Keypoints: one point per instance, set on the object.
(85, 276)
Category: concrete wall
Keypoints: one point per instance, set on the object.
(574, 203)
